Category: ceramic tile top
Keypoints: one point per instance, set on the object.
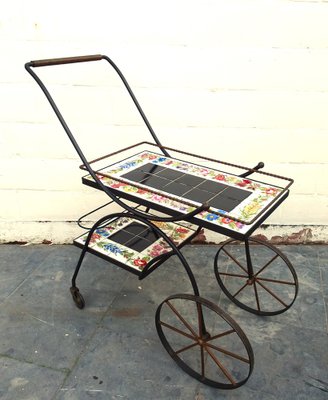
(133, 243)
(181, 186)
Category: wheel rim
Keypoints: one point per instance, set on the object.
(273, 287)
(220, 356)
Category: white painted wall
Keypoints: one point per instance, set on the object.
(239, 80)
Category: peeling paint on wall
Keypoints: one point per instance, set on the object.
(64, 233)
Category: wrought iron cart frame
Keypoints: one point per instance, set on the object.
(197, 331)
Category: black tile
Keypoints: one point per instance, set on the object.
(212, 186)
(135, 176)
(223, 203)
(176, 189)
(138, 244)
(134, 228)
(142, 172)
(154, 182)
(198, 195)
(120, 237)
(135, 236)
(170, 174)
(190, 180)
(236, 194)
(150, 235)
(143, 240)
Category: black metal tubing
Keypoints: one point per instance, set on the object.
(133, 97)
(39, 63)
(250, 269)
(79, 221)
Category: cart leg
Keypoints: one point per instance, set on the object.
(76, 295)
(78, 266)
(203, 332)
(249, 261)
(250, 270)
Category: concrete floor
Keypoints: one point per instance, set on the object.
(51, 350)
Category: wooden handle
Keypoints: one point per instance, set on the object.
(65, 60)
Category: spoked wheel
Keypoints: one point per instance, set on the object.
(77, 297)
(269, 287)
(204, 341)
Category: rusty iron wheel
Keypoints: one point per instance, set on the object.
(204, 341)
(270, 287)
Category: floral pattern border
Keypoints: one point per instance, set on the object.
(131, 258)
(262, 194)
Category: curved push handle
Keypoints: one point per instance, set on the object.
(65, 60)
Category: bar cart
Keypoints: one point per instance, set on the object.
(164, 202)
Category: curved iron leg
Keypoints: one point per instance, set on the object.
(175, 250)
(250, 269)
(76, 295)
(84, 250)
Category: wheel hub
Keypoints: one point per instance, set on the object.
(251, 281)
(203, 339)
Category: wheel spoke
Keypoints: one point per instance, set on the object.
(202, 360)
(276, 281)
(234, 275)
(266, 265)
(186, 348)
(238, 291)
(185, 323)
(173, 328)
(201, 322)
(228, 353)
(219, 335)
(235, 260)
(257, 297)
(272, 294)
(220, 365)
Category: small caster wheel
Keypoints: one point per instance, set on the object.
(77, 297)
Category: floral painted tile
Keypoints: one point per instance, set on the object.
(133, 243)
